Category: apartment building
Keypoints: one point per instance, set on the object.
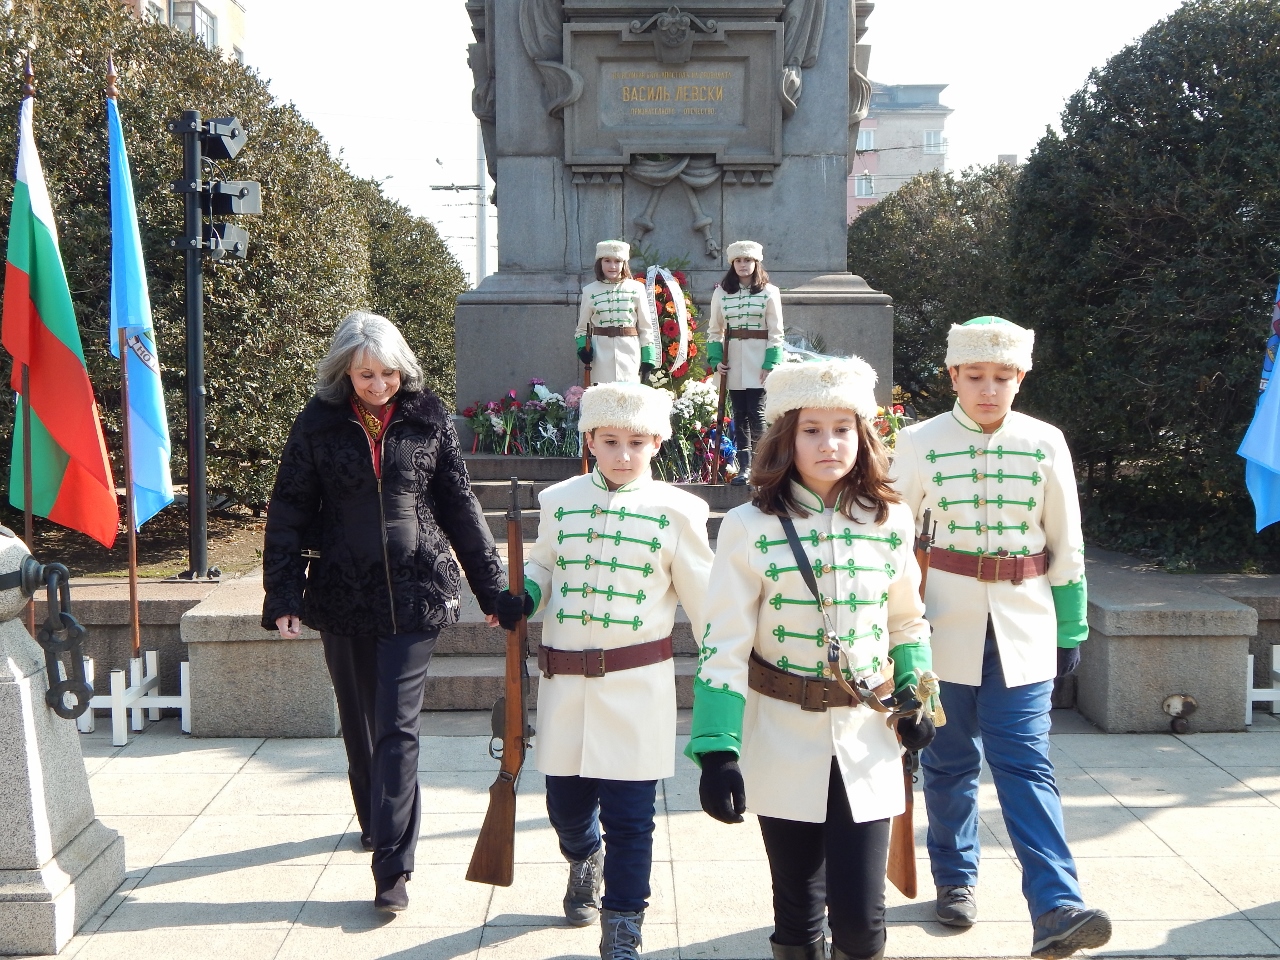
(219, 24)
(904, 134)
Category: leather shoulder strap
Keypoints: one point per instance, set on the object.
(802, 559)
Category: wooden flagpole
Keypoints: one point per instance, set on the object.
(28, 522)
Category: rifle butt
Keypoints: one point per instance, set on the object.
(902, 846)
(493, 861)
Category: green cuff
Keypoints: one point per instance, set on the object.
(772, 357)
(581, 342)
(907, 658)
(649, 354)
(717, 721)
(1071, 604)
(715, 354)
(535, 594)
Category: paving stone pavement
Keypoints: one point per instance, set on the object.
(247, 850)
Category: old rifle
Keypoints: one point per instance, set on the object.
(902, 838)
(494, 858)
(586, 382)
(724, 382)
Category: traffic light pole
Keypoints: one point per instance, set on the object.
(197, 485)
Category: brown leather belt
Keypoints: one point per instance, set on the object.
(597, 662)
(614, 332)
(812, 695)
(741, 333)
(990, 567)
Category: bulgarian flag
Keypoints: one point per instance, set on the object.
(71, 480)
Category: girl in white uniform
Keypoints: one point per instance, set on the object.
(616, 333)
(796, 674)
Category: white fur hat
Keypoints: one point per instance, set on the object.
(990, 340)
(618, 249)
(846, 383)
(744, 248)
(626, 406)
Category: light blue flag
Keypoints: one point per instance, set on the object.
(131, 309)
(1261, 445)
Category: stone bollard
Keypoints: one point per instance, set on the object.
(58, 862)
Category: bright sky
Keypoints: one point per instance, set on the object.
(403, 113)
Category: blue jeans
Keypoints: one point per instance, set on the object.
(578, 806)
(1010, 725)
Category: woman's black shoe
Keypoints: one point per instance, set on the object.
(392, 895)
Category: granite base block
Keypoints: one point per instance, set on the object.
(261, 688)
(1123, 681)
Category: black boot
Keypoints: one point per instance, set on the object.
(809, 951)
(838, 954)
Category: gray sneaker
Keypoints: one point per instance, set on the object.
(1064, 930)
(582, 896)
(620, 935)
(956, 906)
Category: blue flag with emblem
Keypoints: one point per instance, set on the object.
(131, 309)
(1261, 446)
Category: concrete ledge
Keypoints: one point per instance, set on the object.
(1153, 634)
(246, 682)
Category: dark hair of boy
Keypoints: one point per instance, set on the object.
(730, 283)
(626, 271)
(774, 469)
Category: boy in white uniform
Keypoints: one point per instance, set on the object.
(615, 550)
(1006, 598)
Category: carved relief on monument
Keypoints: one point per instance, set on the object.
(859, 85)
(541, 32)
(695, 173)
(480, 60)
(803, 20)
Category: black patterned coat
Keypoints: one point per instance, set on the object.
(379, 570)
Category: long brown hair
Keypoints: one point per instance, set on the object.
(773, 469)
(731, 283)
(626, 271)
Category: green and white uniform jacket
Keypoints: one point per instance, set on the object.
(759, 601)
(607, 570)
(621, 304)
(745, 310)
(1015, 490)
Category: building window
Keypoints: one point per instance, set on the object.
(155, 13)
(933, 142)
(193, 18)
(238, 54)
(866, 140)
(864, 185)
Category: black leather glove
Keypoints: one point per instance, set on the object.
(645, 370)
(586, 354)
(510, 608)
(721, 790)
(1068, 660)
(916, 734)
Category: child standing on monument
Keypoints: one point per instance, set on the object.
(615, 551)
(1006, 598)
(616, 333)
(748, 308)
(814, 625)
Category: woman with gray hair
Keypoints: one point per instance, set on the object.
(370, 495)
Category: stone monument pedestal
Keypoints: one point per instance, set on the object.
(58, 863)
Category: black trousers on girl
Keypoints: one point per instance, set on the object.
(849, 896)
(379, 682)
(748, 422)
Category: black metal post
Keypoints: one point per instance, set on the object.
(197, 493)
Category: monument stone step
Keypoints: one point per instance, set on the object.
(474, 683)
(495, 466)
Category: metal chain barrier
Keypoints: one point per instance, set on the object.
(60, 634)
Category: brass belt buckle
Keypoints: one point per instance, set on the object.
(982, 558)
(593, 658)
(808, 703)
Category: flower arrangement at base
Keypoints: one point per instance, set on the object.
(543, 425)
(889, 420)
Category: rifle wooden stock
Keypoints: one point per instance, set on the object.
(902, 836)
(586, 382)
(494, 859)
(724, 383)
